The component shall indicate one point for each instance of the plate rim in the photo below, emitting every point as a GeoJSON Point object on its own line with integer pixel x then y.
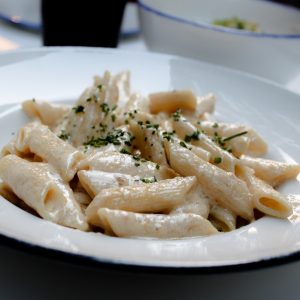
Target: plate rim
{"type": "Point", "coordinates": [96, 263]}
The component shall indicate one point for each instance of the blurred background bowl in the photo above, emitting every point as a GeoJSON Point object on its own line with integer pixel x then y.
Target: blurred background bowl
{"type": "Point", "coordinates": [172, 26]}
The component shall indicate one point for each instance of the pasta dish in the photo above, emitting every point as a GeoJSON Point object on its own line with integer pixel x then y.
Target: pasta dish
{"type": "Point", "coordinates": [126, 165]}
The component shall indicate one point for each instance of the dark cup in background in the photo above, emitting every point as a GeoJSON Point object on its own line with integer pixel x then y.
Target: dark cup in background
{"type": "Point", "coordinates": [94, 23]}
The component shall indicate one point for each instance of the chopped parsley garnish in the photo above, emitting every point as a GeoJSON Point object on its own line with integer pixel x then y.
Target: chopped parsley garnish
{"type": "Point", "coordinates": [131, 115]}
{"type": "Point", "coordinates": [105, 108]}
{"type": "Point", "coordinates": [167, 135]}
{"type": "Point", "coordinates": [124, 151]}
{"type": "Point", "coordinates": [183, 144]}
{"type": "Point", "coordinates": [88, 99]}
{"type": "Point", "coordinates": [222, 141]}
{"type": "Point", "coordinates": [103, 127]}
{"type": "Point", "coordinates": [234, 136]}
{"type": "Point", "coordinates": [193, 136]}
{"type": "Point", "coordinates": [137, 164]}
{"type": "Point", "coordinates": [149, 180]}
{"type": "Point", "coordinates": [176, 115]}
{"type": "Point", "coordinates": [113, 118]}
{"type": "Point", "coordinates": [157, 167]}
{"type": "Point", "coordinates": [64, 135]}
{"type": "Point", "coordinates": [217, 160]}
{"type": "Point", "coordinates": [218, 140]}
{"type": "Point", "coordinates": [78, 109]}
{"type": "Point", "coordinates": [100, 86]}
{"type": "Point", "coordinates": [155, 126]}
{"type": "Point", "coordinates": [115, 137]}
{"type": "Point", "coordinates": [216, 125]}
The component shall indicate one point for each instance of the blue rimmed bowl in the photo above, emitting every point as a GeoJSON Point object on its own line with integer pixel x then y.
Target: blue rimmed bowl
{"type": "Point", "coordinates": [186, 28]}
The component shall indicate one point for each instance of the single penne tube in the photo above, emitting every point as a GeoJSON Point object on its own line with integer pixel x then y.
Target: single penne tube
{"type": "Point", "coordinates": [129, 224]}
{"type": "Point", "coordinates": [273, 172]}
{"type": "Point", "coordinates": [222, 218]}
{"type": "Point", "coordinates": [171, 101]}
{"type": "Point", "coordinates": [41, 141]}
{"type": "Point", "coordinates": [95, 181]}
{"type": "Point", "coordinates": [251, 142]}
{"type": "Point", "coordinates": [41, 188]}
{"type": "Point", "coordinates": [263, 196]}
{"type": "Point", "coordinates": [189, 133]}
{"type": "Point", "coordinates": [49, 114]}
{"type": "Point", "coordinates": [196, 202]}
{"type": "Point", "coordinates": [160, 196]}
{"type": "Point", "coordinates": [115, 162]}
{"type": "Point", "coordinates": [148, 140]}
{"type": "Point", "coordinates": [223, 187]}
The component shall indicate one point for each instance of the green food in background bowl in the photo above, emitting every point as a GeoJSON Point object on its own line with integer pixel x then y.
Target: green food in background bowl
{"type": "Point", "coordinates": [237, 23]}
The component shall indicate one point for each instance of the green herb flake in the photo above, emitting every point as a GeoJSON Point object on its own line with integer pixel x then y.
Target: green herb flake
{"type": "Point", "coordinates": [193, 136]}
{"type": "Point", "coordinates": [105, 108]}
{"type": "Point", "coordinates": [176, 115]}
{"type": "Point", "coordinates": [167, 135]}
{"type": "Point", "coordinates": [216, 125]}
{"type": "Point", "coordinates": [78, 109]}
{"type": "Point", "coordinates": [124, 151]}
{"type": "Point", "coordinates": [137, 164]}
{"type": "Point", "coordinates": [183, 144]}
{"type": "Point", "coordinates": [157, 167]}
{"type": "Point", "coordinates": [234, 136]}
{"type": "Point", "coordinates": [217, 160]}
{"type": "Point", "coordinates": [64, 135]}
{"type": "Point", "coordinates": [113, 118]}
{"type": "Point", "coordinates": [149, 180]}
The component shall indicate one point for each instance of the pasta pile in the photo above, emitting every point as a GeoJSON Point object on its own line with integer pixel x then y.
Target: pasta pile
{"type": "Point", "coordinates": [132, 166]}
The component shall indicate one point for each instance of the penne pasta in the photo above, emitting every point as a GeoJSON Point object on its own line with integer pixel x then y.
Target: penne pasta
{"type": "Point", "coordinates": [133, 165]}
{"type": "Point", "coordinates": [272, 172]}
{"type": "Point", "coordinates": [41, 188]}
{"type": "Point", "coordinates": [49, 114]}
{"type": "Point", "coordinates": [264, 197]}
{"type": "Point", "coordinates": [129, 224]}
{"type": "Point", "coordinates": [221, 186]}
{"type": "Point", "coordinates": [95, 181]}
{"type": "Point", "coordinates": [160, 196]}
{"type": "Point", "coordinates": [41, 141]}
{"type": "Point", "coordinates": [115, 162]}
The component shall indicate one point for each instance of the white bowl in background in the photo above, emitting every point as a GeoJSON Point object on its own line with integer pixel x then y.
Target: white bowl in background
{"type": "Point", "coordinates": [185, 28]}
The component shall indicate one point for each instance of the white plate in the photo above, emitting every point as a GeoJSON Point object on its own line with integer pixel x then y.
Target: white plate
{"type": "Point", "coordinates": [60, 74]}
